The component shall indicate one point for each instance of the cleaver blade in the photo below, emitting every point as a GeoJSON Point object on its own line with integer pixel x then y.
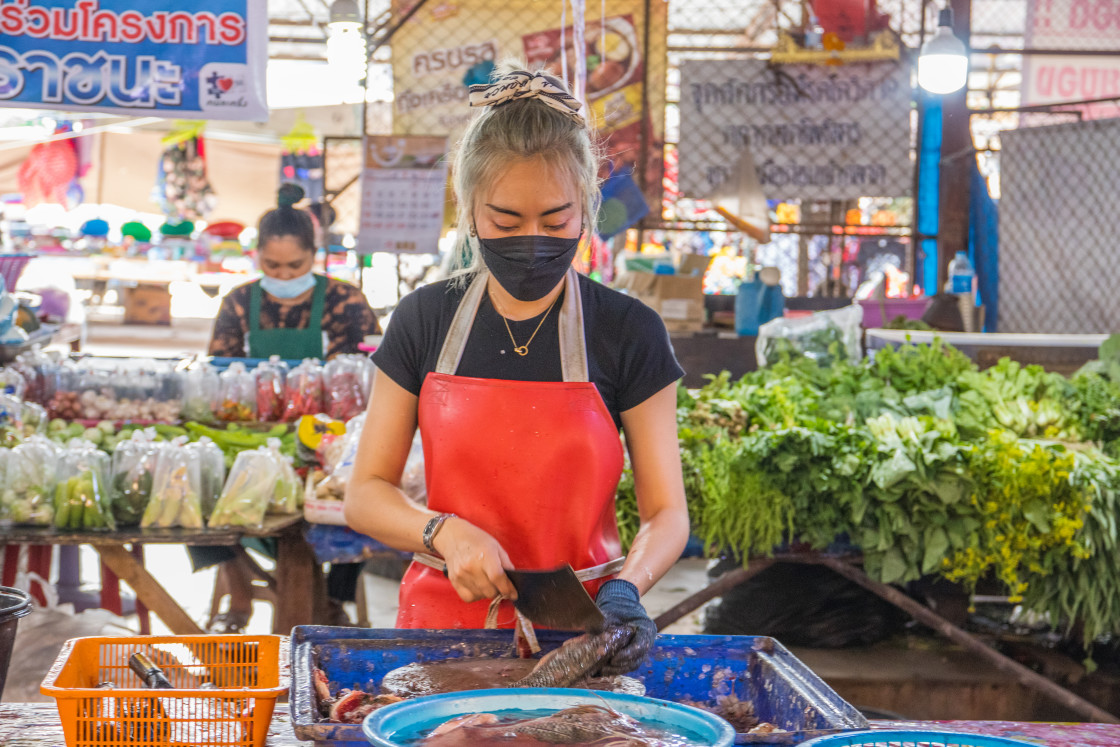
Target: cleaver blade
{"type": "Point", "coordinates": [555, 599]}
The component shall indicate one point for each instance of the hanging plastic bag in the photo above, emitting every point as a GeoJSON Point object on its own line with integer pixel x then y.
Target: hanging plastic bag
{"type": "Point", "coordinates": [176, 488]}
{"type": "Point", "coordinates": [238, 398]}
{"type": "Point", "coordinates": [81, 499]}
{"type": "Point", "coordinates": [344, 395]}
{"type": "Point", "coordinates": [303, 390]}
{"type": "Point", "coordinates": [248, 491]}
{"type": "Point", "coordinates": [824, 337]}
{"type": "Point", "coordinates": [134, 463]}
{"type": "Point", "coordinates": [270, 377]}
{"type": "Point", "coordinates": [28, 483]}
{"type": "Point", "coordinates": [200, 392]}
{"type": "Point", "coordinates": [212, 473]}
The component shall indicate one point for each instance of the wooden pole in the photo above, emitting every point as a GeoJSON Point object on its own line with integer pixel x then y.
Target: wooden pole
{"type": "Point", "coordinates": [717, 588]}
{"type": "Point", "coordinates": [148, 590]}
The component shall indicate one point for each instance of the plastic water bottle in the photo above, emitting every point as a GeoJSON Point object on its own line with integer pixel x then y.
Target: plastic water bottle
{"type": "Point", "coordinates": [814, 34]}
{"type": "Point", "coordinates": [961, 275]}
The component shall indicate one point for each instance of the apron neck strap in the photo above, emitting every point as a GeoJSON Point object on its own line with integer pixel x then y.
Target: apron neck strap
{"type": "Point", "coordinates": [255, 306]}
{"type": "Point", "coordinates": [318, 301]}
{"type": "Point", "coordinates": [573, 344]}
{"type": "Point", "coordinates": [573, 347]}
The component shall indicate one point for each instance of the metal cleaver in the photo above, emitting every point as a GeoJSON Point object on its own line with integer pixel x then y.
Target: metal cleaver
{"type": "Point", "coordinates": [555, 599]}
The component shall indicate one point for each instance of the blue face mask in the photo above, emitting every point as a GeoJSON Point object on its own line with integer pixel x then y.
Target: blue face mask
{"type": "Point", "coordinates": [288, 288]}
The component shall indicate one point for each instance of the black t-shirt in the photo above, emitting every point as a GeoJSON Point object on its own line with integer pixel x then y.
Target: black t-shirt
{"type": "Point", "coordinates": [629, 357]}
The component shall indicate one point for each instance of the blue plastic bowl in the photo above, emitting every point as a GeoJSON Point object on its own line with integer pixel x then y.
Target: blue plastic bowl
{"type": "Point", "coordinates": [394, 724]}
{"type": "Point", "coordinates": [907, 738]}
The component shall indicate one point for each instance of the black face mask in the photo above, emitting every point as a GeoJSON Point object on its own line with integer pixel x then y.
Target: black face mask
{"type": "Point", "coordinates": [528, 267]}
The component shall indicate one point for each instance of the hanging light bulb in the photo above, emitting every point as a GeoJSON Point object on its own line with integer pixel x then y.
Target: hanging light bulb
{"type": "Point", "coordinates": [943, 63]}
{"type": "Point", "coordinates": [346, 55]}
{"type": "Point", "coordinates": [345, 14]}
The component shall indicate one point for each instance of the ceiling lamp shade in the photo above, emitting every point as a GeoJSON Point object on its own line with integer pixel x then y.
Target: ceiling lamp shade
{"type": "Point", "coordinates": [345, 14]}
{"type": "Point", "coordinates": [943, 63]}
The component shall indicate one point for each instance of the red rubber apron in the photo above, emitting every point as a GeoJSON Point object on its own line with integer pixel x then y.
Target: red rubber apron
{"type": "Point", "coordinates": [535, 464]}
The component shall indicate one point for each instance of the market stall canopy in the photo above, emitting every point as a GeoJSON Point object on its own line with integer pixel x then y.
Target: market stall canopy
{"type": "Point", "coordinates": [244, 175]}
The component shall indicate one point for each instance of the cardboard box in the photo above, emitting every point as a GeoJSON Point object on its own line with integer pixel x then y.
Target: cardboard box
{"type": "Point", "coordinates": [147, 304]}
{"type": "Point", "coordinates": [679, 299]}
{"type": "Point", "coordinates": [693, 264]}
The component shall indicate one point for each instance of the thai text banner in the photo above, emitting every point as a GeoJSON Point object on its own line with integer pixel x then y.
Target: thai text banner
{"type": "Point", "coordinates": [816, 133]}
{"type": "Point", "coordinates": [200, 60]}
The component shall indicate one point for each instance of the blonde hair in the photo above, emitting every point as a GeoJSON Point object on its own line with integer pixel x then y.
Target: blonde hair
{"type": "Point", "coordinates": [516, 131]}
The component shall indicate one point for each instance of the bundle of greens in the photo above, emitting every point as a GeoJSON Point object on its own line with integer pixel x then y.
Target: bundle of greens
{"type": "Point", "coordinates": [925, 463]}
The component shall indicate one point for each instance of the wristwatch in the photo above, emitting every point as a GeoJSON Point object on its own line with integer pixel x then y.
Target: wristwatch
{"type": "Point", "coordinates": [431, 529]}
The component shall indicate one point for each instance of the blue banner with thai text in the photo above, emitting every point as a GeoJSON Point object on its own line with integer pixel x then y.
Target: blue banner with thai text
{"type": "Point", "coordinates": [203, 59]}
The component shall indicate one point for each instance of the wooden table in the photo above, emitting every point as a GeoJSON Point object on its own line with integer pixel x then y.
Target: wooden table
{"type": "Point", "coordinates": [299, 584]}
{"type": "Point", "coordinates": [37, 725]}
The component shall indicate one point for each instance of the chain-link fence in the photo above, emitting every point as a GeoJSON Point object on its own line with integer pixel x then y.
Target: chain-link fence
{"type": "Point", "coordinates": [681, 90]}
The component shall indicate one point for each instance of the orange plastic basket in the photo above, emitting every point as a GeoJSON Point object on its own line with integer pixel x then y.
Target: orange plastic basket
{"type": "Point", "coordinates": [225, 691]}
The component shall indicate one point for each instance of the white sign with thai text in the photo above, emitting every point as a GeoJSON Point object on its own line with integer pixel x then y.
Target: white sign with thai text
{"type": "Point", "coordinates": [817, 133]}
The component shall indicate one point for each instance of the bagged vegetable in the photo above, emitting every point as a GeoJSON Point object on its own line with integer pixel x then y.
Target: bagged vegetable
{"type": "Point", "coordinates": [212, 473]}
{"type": "Point", "coordinates": [12, 382]}
{"type": "Point", "coordinates": [40, 373]}
{"type": "Point", "coordinates": [28, 483]}
{"type": "Point", "coordinates": [344, 391]}
{"type": "Point", "coordinates": [303, 390]}
{"type": "Point", "coordinates": [34, 419]}
{"type": "Point", "coordinates": [134, 464]}
{"type": "Point", "coordinates": [825, 336]}
{"type": "Point", "coordinates": [287, 496]}
{"type": "Point", "coordinates": [81, 499]}
{"type": "Point", "coordinates": [176, 489]}
{"type": "Point", "coordinates": [248, 491]}
{"type": "Point", "coordinates": [201, 389]}
{"type": "Point", "coordinates": [238, 397]}
{"type": "Point", "coordinates": [270, 377]}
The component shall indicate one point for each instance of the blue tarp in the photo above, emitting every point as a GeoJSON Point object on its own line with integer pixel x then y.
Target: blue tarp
{"type": "Point", "coordinates": [983, 247]}
{"type": "Point", "coordinates": [983, 224]}
{"type": "Point", "coordinates": [929, 180]}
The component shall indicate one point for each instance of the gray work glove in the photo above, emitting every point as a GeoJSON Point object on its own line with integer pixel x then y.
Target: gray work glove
{"type": "Point", "coordinates": [618, 601]}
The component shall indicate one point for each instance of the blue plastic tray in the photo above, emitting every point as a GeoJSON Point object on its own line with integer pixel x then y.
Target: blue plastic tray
{"type": "Point", "coordinates": [406, 721]}
{"type": "Point", "coordinates": [914, 739]}
{"type": "Point", "coordinates": [694, 669]}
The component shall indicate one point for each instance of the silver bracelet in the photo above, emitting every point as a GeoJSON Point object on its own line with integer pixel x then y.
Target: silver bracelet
{"type": "Point", "coordinates": [431, 529]}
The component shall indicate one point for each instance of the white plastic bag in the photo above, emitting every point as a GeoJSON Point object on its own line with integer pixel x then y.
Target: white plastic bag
{"type": "Point", "coordinates": [824, 337]}
{"type": "Point", "coordinates": [176, 488]}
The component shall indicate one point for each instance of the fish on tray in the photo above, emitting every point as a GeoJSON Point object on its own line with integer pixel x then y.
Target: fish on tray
{"type": "Point", "coordinates": [581, 725]}
{"type": "Point", "coordinates": [577, 658]}
{"type": "Point", "coordinates": [573, 663]}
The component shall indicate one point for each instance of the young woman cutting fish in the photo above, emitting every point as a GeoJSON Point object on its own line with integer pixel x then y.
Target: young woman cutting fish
{"type": "Point", "coordinates": [520, 373]}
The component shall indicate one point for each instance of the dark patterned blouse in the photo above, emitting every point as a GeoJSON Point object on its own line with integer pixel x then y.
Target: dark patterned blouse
{"type": "Point", "coordinates": [347, 319]}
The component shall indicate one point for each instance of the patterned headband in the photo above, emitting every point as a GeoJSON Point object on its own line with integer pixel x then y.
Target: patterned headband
{"type": "Point", "coordinates": [523, 85]}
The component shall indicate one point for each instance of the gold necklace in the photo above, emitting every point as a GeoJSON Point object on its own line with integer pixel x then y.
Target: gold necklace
{"type": "Point", "coordinates": [523, 350]}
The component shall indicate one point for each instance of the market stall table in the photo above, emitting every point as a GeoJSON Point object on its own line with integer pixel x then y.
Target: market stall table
{"type": "Point", "coordinates": [37, 725]}
{"type": "Point", "coordinates": [300, 587]}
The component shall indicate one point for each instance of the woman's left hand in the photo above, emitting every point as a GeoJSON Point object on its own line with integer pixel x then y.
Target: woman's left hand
{"type": "Point", "coordinates": [476, 562]}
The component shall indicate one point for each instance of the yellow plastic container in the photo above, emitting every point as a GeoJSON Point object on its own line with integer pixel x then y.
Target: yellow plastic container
{"type": "Point", "coordinates": [241, 675]}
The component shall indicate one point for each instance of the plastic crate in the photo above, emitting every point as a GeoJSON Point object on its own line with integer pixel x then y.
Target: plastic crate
{"type": "Point", "coordinates": [242, 673]}
{"type": "Point", "coordinates": [689, 669]}
{"type": "Point", "coordinates": [914, 739]}
{"type": "Point", "coordinates": [11, 267]}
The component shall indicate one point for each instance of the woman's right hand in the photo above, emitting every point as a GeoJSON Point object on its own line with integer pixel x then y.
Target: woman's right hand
{"type": "Point", "coordinates": [476, 562]}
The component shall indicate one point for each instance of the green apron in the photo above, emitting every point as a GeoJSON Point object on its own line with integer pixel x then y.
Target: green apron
{"type": "Point", "coordinates": [290, 344]}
